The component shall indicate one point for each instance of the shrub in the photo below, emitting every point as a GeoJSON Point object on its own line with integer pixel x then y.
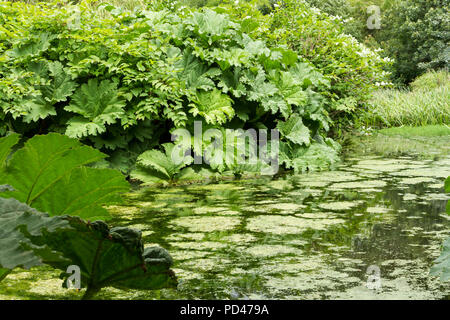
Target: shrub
{"type": "Point", "coordinates": [122, 81]}
{"type": "Point", "coordinates": [353, 70]}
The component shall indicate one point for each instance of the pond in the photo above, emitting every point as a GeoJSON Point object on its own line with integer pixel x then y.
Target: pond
{"type": "Point", "coordinates": [311, 236]}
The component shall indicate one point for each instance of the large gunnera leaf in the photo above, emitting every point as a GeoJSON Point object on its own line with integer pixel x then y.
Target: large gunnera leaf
{"type": "Point", "coordinates": [213, 106]}
{"type": "Point", "coordinates": [294, 130]}
{"type": "Point", "coordinates": [154, 166]}
{"type": "Point", "coordinates": [111, 257]}
{"type": "Point", "coordinates": [96, 103]}
{"type": "Point", "coordinates": [4, 273]}
{"type": "Point", "coordinates": [48, 174]}
{"type": "Point", "coordinates": [6, 144]}
{"type": "Point", "coordinates": [58, 87]}
{"type": "Point", "coordinates": [21, 236]}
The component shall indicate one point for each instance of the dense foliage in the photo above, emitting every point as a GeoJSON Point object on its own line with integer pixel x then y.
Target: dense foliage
{"type": "Point", "coordinates": [352, 69]}
{"type": "Point", "coordinates": [415, 33]}
{"type": "Point", "coordinates": [123, 80]}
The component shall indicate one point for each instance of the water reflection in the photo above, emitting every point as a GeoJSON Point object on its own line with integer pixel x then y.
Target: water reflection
{"type": "Point", "coordinates": [309, 236]}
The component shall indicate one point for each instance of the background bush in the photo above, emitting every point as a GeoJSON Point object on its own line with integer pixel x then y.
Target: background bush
{"type": "Point", "coordinates": [353, 69]}
{"type": "Point", "coordinates": [415, 33]}
{"type": "Point", "coordinates": [122, 80]}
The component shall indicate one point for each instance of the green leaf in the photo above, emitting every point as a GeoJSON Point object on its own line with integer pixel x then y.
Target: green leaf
{"type": "Point", "coordinates": [42, 162]}
{"type": "Point", "coordinates": [36, 109]}
{"type": "Point", "coordinates": [213, 106]}
{"type": "Point", "coordinates": [195, 73]}
{"type": "Point", "coordinates": [210, 25]}
{"type": "Point", "coordinates": [6, 144]}
{"type": "Point", "coordinates": [111, 257]}
{"type": "Point", "coordinates": [260, 86]}
{"type": "Point", "coordinates": [294, 130]}
{"type": "Point", "coordinates": [154, 165]}
{"type": "Point", "coordinates": [34, 46]}
{"type": "Point", "coordinates": [48, 174]}
{"type": "Point", "coordinates": [107, 257]}
{"type": "Point", "coordinates": [148, 176]}
{"type": "Point", "coordinates": [4, 273]}
{"type": "Point", "coordinates": [83, 192]}
{"type": "Point", "coordinates": [98, 104]}
{"type": "Point", "coordinates": [61, 85]}
{"type": "Point", "coordinates": [441, 265]}
{"type": "Point", "coordinates": [316, 157]}
{"type": "Point", "coordinates": [58, 87]}
{"type": "Point", "coordinates": [289, 88]}
{"type": "Point", "coordinates": [22, 228]}
{"type": "Point", "coordinates": [305, 74]}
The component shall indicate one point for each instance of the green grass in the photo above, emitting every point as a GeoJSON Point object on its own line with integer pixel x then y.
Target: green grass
{"type": "Point", "coordinates": [431, 80]}
{"type": "Point", "coordinates": [423, 131]}
{"type": "Point", "coordinates": [427, 104]}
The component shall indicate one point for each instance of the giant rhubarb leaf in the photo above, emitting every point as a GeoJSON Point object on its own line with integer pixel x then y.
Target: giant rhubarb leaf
{"type": "Point", "coordinates": [97, 103]}
{"type": "Point", "coordinates": [214, 106]}
{"type": "Point", "coordinates": [6, 144]}
{"type": "Point", "coordinates": [4, 273]}
{"type": "Point", "coordinates": [294, 130]}
{"type": "Point", "coordinates": [111, 257]}
{"type": "Point", "coordinates": [48, 174]}
{"type": "Point", "coordinates": [19, 224]}
{"type": "Point", "coordinates": [155, 166]}
{"type": "Point", "coordinates": [59, 87]}
{"type": "Point", "coordinates": [106, 257]}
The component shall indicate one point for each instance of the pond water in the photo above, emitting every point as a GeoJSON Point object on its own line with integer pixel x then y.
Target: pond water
{"type": "Point", "coordinates": [310, 236]}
